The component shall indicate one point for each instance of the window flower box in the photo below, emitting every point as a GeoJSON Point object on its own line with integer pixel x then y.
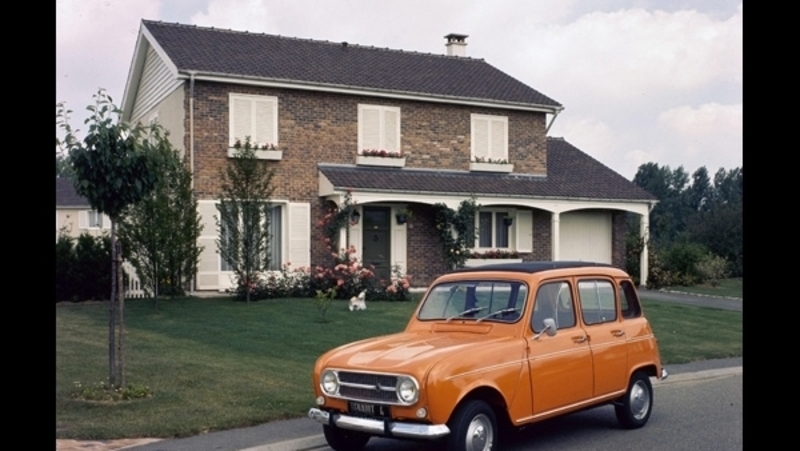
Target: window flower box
{"type": "Point", "coordinates": [490, 167]}
{"type": "Point", "coordinates": [475, 262]}
{"type": "Point", "coordinates": [387, 162]}
{"type": "Point", "coordinates": [260, 154]}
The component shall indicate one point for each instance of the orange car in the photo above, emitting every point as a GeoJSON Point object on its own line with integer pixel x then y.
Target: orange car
{"type": "Point", "coordinates": [510, 343]}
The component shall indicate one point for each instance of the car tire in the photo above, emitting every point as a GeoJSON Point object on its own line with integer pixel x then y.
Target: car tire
{"type": "Point", "coordinates": [473, 427]}
{"type": "Point", "coordinates": [345, 440]}
{"type": "Point", "coordinates": [633, 410]}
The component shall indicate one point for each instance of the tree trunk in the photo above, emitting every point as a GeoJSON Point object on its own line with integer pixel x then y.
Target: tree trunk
{"type": "Point", "coordinates": [112, 314]}
{"type": "Point", "coordinates": [121, 297]}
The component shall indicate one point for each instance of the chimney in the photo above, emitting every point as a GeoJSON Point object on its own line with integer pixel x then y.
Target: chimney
{"type": "Point", "coordinates": [456, 44]}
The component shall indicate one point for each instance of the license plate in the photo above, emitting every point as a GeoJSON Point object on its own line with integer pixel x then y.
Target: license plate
{"type": "Point", "coordinates": [370, 410]}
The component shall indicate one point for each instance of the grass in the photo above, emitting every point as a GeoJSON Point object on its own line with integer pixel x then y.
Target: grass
{"type": "Point", "coordinates": [214, 364]}
{"type": "Point", "coordinates": [726, 287]}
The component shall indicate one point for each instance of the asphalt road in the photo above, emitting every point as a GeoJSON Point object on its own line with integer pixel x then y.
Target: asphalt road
{"type": "Point", "coordinates": [687, 415]}
{"type": "Point", "coordinates": [699, 301]}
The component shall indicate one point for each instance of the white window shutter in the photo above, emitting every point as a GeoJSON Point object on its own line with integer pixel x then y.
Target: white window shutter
{"type": "Point", "coordinates": [241, 119]}
{"type": "Point", "coordinates": [106, 222]}
{"type": "Point", "coordinates": [370, 124]}
{"type": "Point", "coordinates": [208, 266]}
{"type": "Point", "coordinates": [499, 145]}
{"type": "Point", "coordinates": [299, 234]}
{"type": "Point", "coordinates": [480, 138]}
{"type": "Point", "coordinates": [265, 122]}
{"type": "Point", "coordinates": [83, 219]}
{"type": "Point", "coordinates": [524, 226]}
{"type": "Point", "coordinates": [391, 130]}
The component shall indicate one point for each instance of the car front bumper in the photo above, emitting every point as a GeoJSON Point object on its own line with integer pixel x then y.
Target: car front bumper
{"type": "Point", "coordinates": [385, 428]}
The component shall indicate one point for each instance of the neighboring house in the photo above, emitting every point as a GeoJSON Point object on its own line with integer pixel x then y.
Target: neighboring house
{"type": "Point", "coordinates": [463, 127]}
{"type": "Point", "coordinates": [74, 215]}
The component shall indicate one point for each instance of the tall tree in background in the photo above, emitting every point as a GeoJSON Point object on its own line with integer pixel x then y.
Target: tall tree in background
{"type": "Point", "coordinates": [160, 232]}
{"type": "Point", "coordinates": [243, 221]}
{"type": "Point", "coordinates": [115, 166]}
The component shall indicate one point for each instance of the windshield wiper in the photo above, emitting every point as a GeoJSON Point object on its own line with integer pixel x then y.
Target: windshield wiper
{"type": "Point", "coordinates": [466, 312]}
{"type": "Point", "coordinates": [499, 312]}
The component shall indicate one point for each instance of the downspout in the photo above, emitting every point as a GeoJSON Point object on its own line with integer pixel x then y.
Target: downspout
{"type": "Point", "coordinates": [191, 150]}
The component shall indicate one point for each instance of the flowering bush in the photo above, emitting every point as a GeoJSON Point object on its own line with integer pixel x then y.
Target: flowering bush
{"type": "Point", "coordinates": [286, 283]}
{"type": "Point", "coordinates": [382, 153]}
{"type": "Point", "coordinates": [348, 275]}
{"type": "Point", "coordinates": [456, 231]}
{"type": "Point", "coordinates": [495, 253]}
{"type": "Point", "coordinates": [395, 289]}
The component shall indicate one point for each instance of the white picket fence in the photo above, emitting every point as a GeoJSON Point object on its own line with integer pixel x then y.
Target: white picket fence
{"type": "Point", "coordinates": [133, 289]}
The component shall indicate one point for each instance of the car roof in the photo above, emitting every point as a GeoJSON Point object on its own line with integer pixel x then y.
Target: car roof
{"type": "Point", "coordinates": [532, 267]}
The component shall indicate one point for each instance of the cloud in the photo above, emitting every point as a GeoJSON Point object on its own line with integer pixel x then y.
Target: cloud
{"type": "Point", "coordinates": [711, 132]}
{"type": "Point", "coordinates": [94, 39]}
{"type": "Point", "coordinates": [634, 55]}
{"type": "Point", "coordinates": [248, 15]}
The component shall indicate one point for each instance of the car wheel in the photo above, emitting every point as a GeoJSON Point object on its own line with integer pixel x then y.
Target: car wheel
{"type": "Point", "coordinates": [345, 440]}
{"type": "Point", "coordinates": [472, 428]}
{"type": "Point", "coordinates": [633, 410]}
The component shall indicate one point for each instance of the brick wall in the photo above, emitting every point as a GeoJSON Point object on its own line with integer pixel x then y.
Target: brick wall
{"type": "Point", "coordinates": [323, 127]}
{"type": "Point", "coordinates": [619, 229]}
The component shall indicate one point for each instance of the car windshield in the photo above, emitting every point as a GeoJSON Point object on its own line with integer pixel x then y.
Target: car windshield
{"type": "Point", "coordinates": [480, 300]}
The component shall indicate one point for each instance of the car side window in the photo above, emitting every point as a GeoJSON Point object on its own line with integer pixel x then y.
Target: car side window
{"type": "Point", "coordinates": [553, 300]}
{"type": "Point", "coordinates": [629, 300]}
{"type": "Point", "coordinates": [597, 301]}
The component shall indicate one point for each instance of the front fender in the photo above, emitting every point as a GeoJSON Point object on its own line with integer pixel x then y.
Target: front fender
{"type": "Point", "coordinates": [454, 378]}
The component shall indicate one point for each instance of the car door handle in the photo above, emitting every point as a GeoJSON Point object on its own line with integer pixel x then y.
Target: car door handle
{"type": "Point", "coordinates": [617, 333]}
{"type": "Point", "coordinates": [582, 339]}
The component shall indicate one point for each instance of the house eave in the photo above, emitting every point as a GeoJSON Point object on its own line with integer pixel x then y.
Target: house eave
{"type": "Point", "coordinates": [373, 92]}
{"type": "Point", "coordinates": [144, 40]}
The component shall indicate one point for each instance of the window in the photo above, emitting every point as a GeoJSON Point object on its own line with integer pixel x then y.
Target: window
{"type": "Point", "coordinates": [502, 301]}
{"type": "Point", "coordinates": [493, 227]}
{"type": "Point", "coordinates": [253, 116]}
{"type": "Point", "coordinates": [378, 128]}
{"type": "Point", "coordinates": [274, 241]}
{"type": "Point", "coordinates": [489, 137]}
{"type": "Point", "coordinates": [597, 301]}
{"type": "Point", "coordinates": [629, 301]}
{"type": "Point", "coordinates": [92, 219]}
{"type": "Point", "coordinates": [553, 300]}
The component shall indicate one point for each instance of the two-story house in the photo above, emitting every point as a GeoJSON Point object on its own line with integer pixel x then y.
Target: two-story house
{"type": "Point", "coordinates": [459, 128]}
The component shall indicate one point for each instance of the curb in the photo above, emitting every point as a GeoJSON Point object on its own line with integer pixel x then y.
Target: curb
{"type": "Point", "coordinates": [699, 375]}
{"type": "Point", "coordinates": [300, 444]}
{"type": "Point", "coordinates": [700, 295]}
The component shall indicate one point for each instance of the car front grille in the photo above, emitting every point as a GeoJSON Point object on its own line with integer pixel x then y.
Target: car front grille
{"type": "Point", "coordinates": [372, 387]}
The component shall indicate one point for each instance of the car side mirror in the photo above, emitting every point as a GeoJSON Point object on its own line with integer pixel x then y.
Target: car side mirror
{"type": "Point", "coordinates": [549, 328]}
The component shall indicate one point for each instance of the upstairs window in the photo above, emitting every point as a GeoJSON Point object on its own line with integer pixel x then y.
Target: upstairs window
{"type": "Point", "coordinates": [378, 128]}
{"type": "Point", "coordinates": [253, 116]}
{"type": "Point", "coordinates": [489, 138]}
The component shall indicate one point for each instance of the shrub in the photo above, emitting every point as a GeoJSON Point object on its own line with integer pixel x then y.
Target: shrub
{"type": "Point", "coordinates": [65, 266]}
{"type": "Point", "coordinates": [681, 260]}
{"type": "Point", "coordinates": [712, 268]}
{"type": "Point", "coordinates": [395, 289]}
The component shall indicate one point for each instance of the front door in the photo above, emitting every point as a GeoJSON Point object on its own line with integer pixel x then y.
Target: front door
{"type": "Point", "coordinates": [377, 235]}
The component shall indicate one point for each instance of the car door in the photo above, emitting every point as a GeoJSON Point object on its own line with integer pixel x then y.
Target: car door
{"type": "Point", "coordinates": [560, 365]}
{"type": "Point", "coordinates": [609, 348]}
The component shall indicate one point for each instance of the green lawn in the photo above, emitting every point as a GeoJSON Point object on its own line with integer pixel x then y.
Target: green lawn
{"type": "Point", "coordinates": [726, 287]}
{"type": "Point", "coordinates": [216, 364]}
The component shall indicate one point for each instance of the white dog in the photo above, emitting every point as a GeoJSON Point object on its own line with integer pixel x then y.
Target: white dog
{"type": "Point", "coordinates": [359, 302]}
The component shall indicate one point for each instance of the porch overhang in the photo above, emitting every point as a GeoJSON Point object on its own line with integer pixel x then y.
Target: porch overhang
{"type": "Point", "coordinates": [451, 187]}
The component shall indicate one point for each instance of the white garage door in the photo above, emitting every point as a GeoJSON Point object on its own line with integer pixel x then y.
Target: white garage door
{"type": "Point", "coordinates": [586, 236]}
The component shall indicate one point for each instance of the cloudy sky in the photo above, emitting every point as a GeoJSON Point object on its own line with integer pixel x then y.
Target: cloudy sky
{"type": "Point", "coordinates": [641, 80]}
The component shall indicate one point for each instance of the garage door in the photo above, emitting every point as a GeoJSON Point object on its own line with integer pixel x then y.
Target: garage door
{"type": "Point", "coordinates": [586, 236]}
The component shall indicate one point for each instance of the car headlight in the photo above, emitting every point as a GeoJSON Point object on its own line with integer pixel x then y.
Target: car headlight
{"type": "Point", "coordinates": [329, 382]}
{"type": "Point", "coordinates": [407, 390]}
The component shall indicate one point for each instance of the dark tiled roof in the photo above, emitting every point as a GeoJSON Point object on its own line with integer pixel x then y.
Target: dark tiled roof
{"type": "Point", "coordinates": [234, 53]}
{"type": "Point", "coordinates": [571, 173]}
{"type": "Point", "coordinates": [66, 195]}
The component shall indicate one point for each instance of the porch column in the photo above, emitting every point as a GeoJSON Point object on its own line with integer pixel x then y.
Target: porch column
{"type": "Point", "coordinates": [555, 232]}
{"type": "Point", "coordinates": [644, 232]}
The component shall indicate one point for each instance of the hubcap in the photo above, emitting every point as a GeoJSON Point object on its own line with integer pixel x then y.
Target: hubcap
{"type": "Point", "coordinates": [479, 434]}
{"type": "Point", "coordinates": [640, 400]}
